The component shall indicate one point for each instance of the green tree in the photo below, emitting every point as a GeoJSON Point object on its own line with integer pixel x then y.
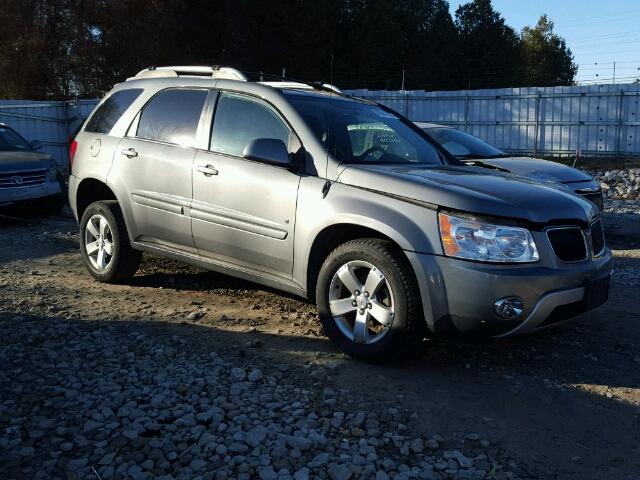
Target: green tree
{"type": "Point", "coordinates": [491, 48]}
{"type": "Point", "coordinates": [546, 58]}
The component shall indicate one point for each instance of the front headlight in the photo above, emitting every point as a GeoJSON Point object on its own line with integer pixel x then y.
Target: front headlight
{"type": "Point", "coordinates": [485, 242]}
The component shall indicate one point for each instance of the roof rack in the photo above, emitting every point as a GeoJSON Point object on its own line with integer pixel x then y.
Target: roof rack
{"type": "Point", "coordinates": [215, 72]}
{"type": "Point", "coordinates": [304, 86]}
{"type": "Point", "coordinates": [229, 73]}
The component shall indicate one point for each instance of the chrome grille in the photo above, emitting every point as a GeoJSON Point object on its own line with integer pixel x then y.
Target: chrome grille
{"type": "Point", "coordinates": [28, 178]}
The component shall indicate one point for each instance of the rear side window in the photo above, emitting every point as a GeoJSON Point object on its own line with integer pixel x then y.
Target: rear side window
{"type": "Point", "coordinates": [107, 114]}
{"type": "Point", "coordinates": [172, 116]}
{"type": "Point", "coordinates": [240, 119]}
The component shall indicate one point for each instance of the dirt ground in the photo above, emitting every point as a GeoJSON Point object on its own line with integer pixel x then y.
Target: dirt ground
{"type": "Point", "coordinates": [562, 404]}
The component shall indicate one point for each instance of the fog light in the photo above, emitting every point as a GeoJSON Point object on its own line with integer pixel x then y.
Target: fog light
{"type": "Point", "coordinates": [508, 307]}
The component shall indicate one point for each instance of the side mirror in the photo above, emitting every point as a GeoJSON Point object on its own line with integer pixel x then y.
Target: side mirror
{"type": "Point", "coordinates": [36, 144]}
{"type": "Point", "coordinates": [268, 150]}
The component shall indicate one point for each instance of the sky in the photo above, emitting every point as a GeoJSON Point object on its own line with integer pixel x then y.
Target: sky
{"type": "Point", "coordinates": [598, 32]}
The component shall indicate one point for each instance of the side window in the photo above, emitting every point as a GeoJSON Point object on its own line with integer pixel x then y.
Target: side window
{"type": "Point", "coordinates": [240, 119]}
{"type": "Point", "coordinates": [107, 114]}
{"type": "Point", "coordinates": [172, 116]}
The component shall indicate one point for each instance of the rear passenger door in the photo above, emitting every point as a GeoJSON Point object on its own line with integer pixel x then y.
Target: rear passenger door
{"type": "Point", "coordinates": [243, 211]}
{"type": "Point", "coordinates": [155, 161]}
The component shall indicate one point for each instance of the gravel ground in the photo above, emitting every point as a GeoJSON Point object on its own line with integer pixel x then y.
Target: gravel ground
{"type": "Point", "coordinates": [184, 373]}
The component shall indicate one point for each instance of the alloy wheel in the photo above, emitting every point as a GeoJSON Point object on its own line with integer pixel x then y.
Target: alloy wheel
{"type": "Point", "coordinates": [98, 242]}
{"type": "Point", "coordinates": [361, 302]}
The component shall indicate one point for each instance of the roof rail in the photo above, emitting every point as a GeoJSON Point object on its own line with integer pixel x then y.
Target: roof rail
{"type": "Point", "coordinates": [215, 72]}
{"type": "Point", "coordinates": [303, 86]}
{"type": "Point", "coordinates": [229, 73]}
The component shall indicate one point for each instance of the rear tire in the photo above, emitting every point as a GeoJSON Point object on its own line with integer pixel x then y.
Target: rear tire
{"type": "Point", "coordinates": [369, 302]}
{"type": "Point", "coordinates": [104, 243]}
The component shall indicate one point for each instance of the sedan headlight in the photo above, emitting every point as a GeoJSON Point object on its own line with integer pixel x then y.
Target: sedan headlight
{"type": "Point", "coordinates": [486, 242]}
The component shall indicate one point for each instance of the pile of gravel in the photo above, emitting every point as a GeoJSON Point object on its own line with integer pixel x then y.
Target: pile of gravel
{"type": "Point", "coordinates": [123, 400]}
{"type": "Point", "coordinates": [622, 184]}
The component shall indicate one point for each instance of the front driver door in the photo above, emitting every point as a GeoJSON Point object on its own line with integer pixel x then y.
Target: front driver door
{"type": "Point", "coordinates": [243, 212]}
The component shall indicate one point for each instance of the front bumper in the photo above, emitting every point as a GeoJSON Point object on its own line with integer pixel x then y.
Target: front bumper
{"type": "Point", "coordinates": [458, 295]}
{"type": "Point", "coordinates": [10, 196]}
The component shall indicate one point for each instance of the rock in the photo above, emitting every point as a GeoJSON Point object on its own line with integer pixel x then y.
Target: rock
{"type": "Point", "coordinates": [197, 464]}
{"type": "Point", "coordinates": [303, 443]}
{"type": "Point", "coordinates": [66, 446]}
{"type": "Point", "coordinates": [195, 316]}
{"type": "Point", "coordinates": [255, 375]}
{"type": "Point", "coordinates": [432, 444]}
{"type": "Point", "coordinates": [267, 474]}
{"type": "Point", "coordinates": [302, 474]}
{"type": "Point", "coordinates": [77, 464]}
{"type": "Point", "coordinates": [107, 459]}
{"type": "Point", "coordinates": [417, 445]}
{"type": "Point", "coordinates": [339, 472]}
{"type": "Point", "coordinates": [256, 436]}
{"type": "Point", "coordinates": [237, 374]}
{"type": "Point", "coordinates": [130, 434]}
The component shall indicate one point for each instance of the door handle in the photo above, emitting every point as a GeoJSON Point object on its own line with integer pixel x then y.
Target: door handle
{"type": "Point", "coordinates": [207, 170]}
{"type": "Point", "coordinates": [129, 152]}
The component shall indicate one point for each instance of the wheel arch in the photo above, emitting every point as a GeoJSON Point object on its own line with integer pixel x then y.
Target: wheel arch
{"type": "Point", "coordinates": [329, 238]}
{"type": "Point", "coordinates": [91, 190]}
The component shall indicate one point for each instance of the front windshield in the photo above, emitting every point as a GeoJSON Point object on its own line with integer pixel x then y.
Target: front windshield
{"type": "Point", "coordinates": [11, 141]}
{"type": "Point", "coordinates": [358, 132]}
{"type": "Point", "coordinates": [462, 145]}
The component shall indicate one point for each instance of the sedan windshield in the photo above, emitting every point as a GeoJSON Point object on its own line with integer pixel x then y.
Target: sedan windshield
{"type": "Point", "coordinates": [359, 132]}
{"type": "Point", "coordinates": [11, 141]}
{"type": "Point", "coordinates": [462, 145]}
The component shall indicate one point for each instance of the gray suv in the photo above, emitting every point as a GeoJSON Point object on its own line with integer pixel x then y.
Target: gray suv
{"type": "Point", "coordinates": [332, 198]}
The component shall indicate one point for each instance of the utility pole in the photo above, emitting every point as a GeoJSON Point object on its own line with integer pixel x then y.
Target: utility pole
{"type": "Point", "coordinates": [614, 72]}
{"type": "Point", "coordinates": [402, 87]}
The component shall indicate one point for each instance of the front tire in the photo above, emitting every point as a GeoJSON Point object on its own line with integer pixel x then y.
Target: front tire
{"type": "Point", "coordinates": [368, 300]}
{"type": "Point", "coordinates": [104, 243]}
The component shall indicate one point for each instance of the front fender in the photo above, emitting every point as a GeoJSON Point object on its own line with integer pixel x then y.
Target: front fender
{"type": "Point", "coordinates": [414, 228]}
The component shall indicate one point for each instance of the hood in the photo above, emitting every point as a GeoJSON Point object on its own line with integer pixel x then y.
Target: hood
{"type": "Point", "coordinates": [474, 190]}
{"type": "Point", "coordinates": [20, 160]}
{"type": "Point", "coordinates": [538, 169]}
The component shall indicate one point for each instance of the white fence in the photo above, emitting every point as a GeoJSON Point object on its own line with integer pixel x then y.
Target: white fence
{"type": "Point", "coordinates": [595, 119]}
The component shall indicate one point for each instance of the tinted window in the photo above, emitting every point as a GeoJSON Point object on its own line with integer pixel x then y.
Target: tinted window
{"type": "Point", "coordinates": [461, 144]}
{"type": "Point", "coordinates": [358, 132]}
{"type": "Point", "coordinates": [11, 141]}
{"type": "Point", "coordinates": [172, 116]}
{"type": "Point", "coordinates": [240, 119]}
{"type": "Point", "coordinates": [107, 114]}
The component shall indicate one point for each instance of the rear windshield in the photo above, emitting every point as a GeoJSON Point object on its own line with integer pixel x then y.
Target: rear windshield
{"type": "Point", "coordinates": [107, 114]}
{"type": "Point", "coordinates": [358, 132]}
{"type": "Point", "coordinates": [11, 141]}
